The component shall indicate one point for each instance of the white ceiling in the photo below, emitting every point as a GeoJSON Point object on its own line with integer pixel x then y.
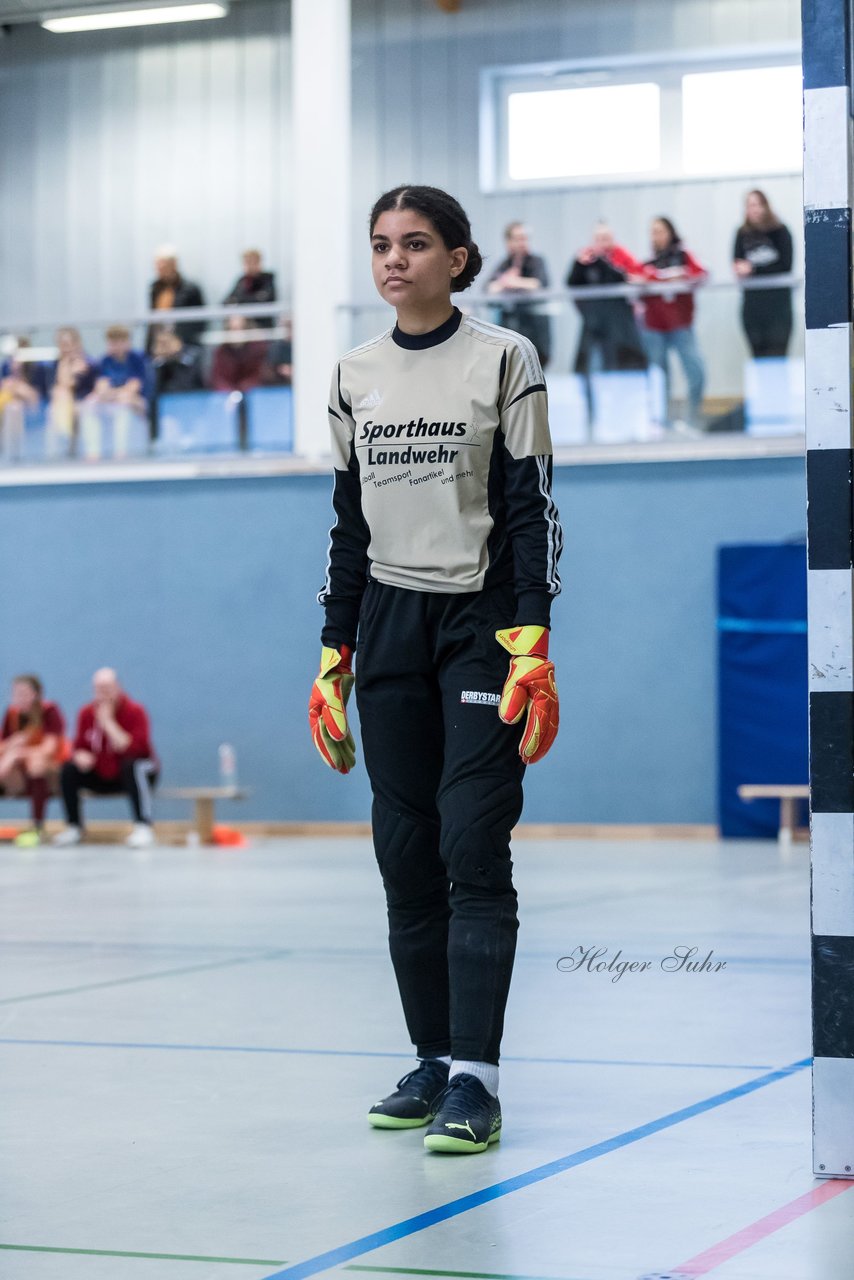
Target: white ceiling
{"type": "Point", "coordinates": [18, 11]}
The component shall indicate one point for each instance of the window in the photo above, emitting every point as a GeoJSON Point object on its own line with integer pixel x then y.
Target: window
{"type": "Point", "coordinates": [549, 134]}
{"type": "Point", "coordinates": [627, 120]}
{"type": "Point", "coordinates": [742, 121]}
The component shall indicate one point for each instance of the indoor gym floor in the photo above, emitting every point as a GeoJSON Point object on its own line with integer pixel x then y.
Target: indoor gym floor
{"type": "Point", "coordinates": [190, 1040]}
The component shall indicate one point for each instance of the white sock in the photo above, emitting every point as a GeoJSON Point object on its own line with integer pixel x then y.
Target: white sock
{"type": "Point", "coordinates": [437, 1058]}
{"type": "Point", "coordinates": [485, 1072]}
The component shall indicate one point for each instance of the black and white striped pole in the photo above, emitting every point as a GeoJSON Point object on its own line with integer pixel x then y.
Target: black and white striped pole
{"type": "Point", "coordinates": [828, 188]}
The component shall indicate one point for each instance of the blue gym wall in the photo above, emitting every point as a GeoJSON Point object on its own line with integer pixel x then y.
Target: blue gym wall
{"type": "Point", "coordinates": [202, 594]}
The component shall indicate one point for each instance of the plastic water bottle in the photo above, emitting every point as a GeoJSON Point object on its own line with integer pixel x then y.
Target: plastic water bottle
{"type": "Point", "coordinates": [227, 766]}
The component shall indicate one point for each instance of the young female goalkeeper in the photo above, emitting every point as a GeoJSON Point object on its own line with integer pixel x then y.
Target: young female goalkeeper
{"type": "Point", "coordinates": [443, 560]}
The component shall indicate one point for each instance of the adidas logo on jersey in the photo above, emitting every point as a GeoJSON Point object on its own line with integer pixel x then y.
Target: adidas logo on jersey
{"type": "Point", "coordinates": [371, 401]}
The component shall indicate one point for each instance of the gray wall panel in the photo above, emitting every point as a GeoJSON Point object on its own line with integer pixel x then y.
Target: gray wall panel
{"type": "Point", "coordinates": [121, 141]}
{"type": "Point", "coordinates": [113, 143]}
{"type": "Point", "coordinates": [433, 99]}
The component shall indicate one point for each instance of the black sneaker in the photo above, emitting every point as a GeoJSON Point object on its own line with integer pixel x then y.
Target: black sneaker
{"type": "Point", "coordinates": [468, 1118]}
{"type": "Point", "coordinates": [414, 1101]}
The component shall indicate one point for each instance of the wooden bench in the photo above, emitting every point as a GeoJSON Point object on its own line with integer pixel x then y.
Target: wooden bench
{"type": "Point", "coordinates": [788, 794]}
{"type": "Point", "coordinates": [204, 799]}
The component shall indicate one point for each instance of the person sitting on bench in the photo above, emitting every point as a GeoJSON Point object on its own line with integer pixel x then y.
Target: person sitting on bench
{"type": "Point", "coordinates": [32, 748]}
{"type": "Point", "coordinates": [113, 755]}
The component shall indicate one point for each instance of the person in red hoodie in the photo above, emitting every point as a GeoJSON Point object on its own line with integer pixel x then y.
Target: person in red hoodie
{"type": "Point", "coordinates": [113, 755]}
{"type": "Point", "coordinates": [669, 317]}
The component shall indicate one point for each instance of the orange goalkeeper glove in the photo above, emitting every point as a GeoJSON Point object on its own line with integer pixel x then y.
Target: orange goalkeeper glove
{"type": "Point", "coordinates": [530, 687]}
{"type": "Point", "coordinates": [327, 709]}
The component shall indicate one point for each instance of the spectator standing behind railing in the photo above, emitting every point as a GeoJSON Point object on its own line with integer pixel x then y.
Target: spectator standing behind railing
{"type": "Point", "coordinates": [669, 318]}
{"type": "Point", "coordinates": [18, 393]}
{"type": "Point", "coordinates": [238, 366]}
{"type": "Point", "coordinates": [610, 340]}
{"type": "Point", "coordinates": [763, 247]}
{"type": "Point", "coordinates": [32, 749]}
{"type": "Point", "coordinates": [65, 382]}
{"type": "Point", "coordinates": [254, 285]}
{"type": "Point", "coordinates": [523, 273]}
{"type": "Point", "coordinates": [170, 290]}
{"type": "Point", "coordinates": [120, 394]}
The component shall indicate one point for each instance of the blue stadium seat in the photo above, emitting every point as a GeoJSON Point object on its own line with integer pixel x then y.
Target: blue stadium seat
{"type": "Point", "coordinates": [775, 396]}
{"type": "Point", "coordinates": [269, 419]}
{"type": "Point", "coordinates": [198, 422]}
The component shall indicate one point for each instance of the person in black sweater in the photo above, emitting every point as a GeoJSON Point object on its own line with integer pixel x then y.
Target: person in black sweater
{"type": "Point", "coordinates": [763, 247]}
{"type": "Point", "coordinates": [522, 274]}
{"type": "Point", "coordinates": [170, 289]}
{"type": "Point", "coordinates": [254, 285]}
{"type": "Point", "coordinates": [610, 339]}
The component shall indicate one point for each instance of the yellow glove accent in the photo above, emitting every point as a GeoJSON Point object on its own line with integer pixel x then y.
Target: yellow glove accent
{"type": "Point", "coordinates": [530, 686]}
{"type": "Point", "coordinates": [327, 709]}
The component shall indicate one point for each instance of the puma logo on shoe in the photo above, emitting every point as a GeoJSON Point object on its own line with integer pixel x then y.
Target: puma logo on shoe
{"type": "Point", "coordinates": [450, 1125]}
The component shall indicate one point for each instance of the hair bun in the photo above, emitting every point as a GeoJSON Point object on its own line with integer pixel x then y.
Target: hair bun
{"type": "Point", "coordinates": [470, 271]}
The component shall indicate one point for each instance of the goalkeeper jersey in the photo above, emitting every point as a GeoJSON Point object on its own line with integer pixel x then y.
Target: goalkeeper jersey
{"type": "Point", "coordinates": [443, 467]}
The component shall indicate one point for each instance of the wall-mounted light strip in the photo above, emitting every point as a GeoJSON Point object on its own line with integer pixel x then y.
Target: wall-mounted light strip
{"type": "Point", "coordinates": [138, 17]}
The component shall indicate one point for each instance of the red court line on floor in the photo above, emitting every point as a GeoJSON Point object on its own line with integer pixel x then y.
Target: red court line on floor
{"type": "Point", "coordinates": [721, 1252]}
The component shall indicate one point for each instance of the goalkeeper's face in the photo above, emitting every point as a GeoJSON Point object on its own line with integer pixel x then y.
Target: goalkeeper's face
{"type": "Point", "coordinates": [412, 267]}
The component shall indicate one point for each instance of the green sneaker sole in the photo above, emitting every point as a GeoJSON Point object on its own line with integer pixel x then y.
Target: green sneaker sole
{"type": "Point", "coordinates": [458, 1146]}
{"type": "Point", "coordinates": [28, 840]}
{"type": "Point", "coordinates": [380, 1121]}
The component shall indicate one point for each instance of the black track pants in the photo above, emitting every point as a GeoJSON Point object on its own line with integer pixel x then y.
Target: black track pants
{"type": "Point", "coordinates": [136, 781]}
{"type": "Point", "coordinates": [447, 785]}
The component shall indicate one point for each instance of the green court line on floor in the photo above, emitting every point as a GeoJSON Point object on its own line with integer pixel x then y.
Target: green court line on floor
{"type": "Point", "coordinates": [145, 977]}
{"type": "Point", "coordinates": [129, 1253]}
{"type": "Point", "coordinates": [266, 1262]}
{"type": "Point", "coordinates": [450, 1275]}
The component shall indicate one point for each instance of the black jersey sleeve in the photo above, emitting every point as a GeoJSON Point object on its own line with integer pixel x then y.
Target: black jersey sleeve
{"type": "Point", "coordinates": [349, 537]}
{"type": "Point", "coordinates": [532, 518]}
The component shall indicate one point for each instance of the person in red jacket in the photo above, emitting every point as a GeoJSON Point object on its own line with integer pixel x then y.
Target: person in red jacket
{"type": "Point", "coordinates": [238, 365]}
{"type": "Point", "coordinates": [32, 748]}
{"type": "Point", "coordinates": [113, 755]}
{"type": "Point", "coordinates": [669, 317]}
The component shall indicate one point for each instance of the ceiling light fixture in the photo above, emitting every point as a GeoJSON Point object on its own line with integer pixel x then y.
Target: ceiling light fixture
{"type": "Point", "coordinates": [140, 16]}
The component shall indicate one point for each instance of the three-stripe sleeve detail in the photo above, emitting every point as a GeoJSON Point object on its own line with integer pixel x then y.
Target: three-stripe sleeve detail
{"type": "Point", "coordinates": [555, 533]}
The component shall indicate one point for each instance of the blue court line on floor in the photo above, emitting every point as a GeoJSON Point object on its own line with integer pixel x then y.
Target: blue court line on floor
{"type": "Point", "coordinates": [410, 1226]}
{"type": "Point", "coordinates": [144, 977]}
{"type": "Point", "coordinates": [363, 1053]}
{"type": "Point", "coordinates": [93, 944]}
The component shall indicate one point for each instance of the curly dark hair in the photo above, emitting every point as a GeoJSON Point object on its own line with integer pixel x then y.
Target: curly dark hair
{"type": "Point", "coordinates": [448, 217]}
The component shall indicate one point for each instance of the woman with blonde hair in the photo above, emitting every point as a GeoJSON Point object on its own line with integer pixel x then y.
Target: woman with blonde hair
{"type": "Point", "coordinates": [763, 247]}
{"type": "Point", "coordinates": [70, 379]}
